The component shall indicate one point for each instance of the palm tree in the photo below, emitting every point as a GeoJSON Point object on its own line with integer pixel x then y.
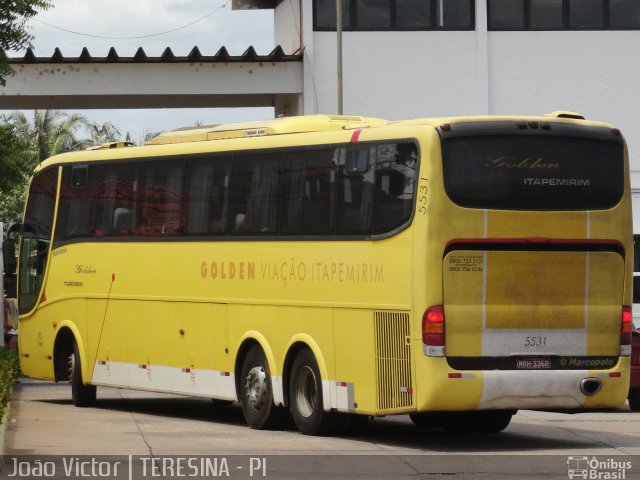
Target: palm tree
{"type": "Point", "coordinates": [50, 133]}
{"type": "Point", "coordinates": [105, 133]}
{"type": "Point", "coordinates": [147, 135]}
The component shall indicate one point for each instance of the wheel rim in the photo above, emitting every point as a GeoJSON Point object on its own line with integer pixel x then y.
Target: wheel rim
{"type": "Point", "coordinates": [306, 392]}
{"type": "Point", "coordinates": [71, 366]}
{"type": "Point", "coordinates": [256, 387]}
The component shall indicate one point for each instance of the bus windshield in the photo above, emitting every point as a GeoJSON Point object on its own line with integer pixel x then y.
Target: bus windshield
{"type": "Point", "coordinates": [36, 236]}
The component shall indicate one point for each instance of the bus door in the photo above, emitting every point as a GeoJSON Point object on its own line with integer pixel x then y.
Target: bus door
{"type": "Point", "coordinates": [35, 241]}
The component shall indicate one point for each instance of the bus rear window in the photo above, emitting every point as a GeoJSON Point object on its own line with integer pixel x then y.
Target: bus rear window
{"type": "Point", "coordinates": [533, 172]}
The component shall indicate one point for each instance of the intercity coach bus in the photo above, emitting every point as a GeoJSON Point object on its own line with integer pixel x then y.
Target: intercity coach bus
{"type": "Point", "coordinates": [336, 268]}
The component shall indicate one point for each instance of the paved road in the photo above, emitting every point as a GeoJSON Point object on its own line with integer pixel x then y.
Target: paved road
{"type": "Point", "coordinates": [535, 445]}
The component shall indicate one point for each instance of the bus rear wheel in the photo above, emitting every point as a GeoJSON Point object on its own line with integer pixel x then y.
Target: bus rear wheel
{"type": "Point", "coordinates": [256, 392]}
{"type": "Point", "coordinates": [305, 397]}
{"type": "Point", "coordinates": [634, 399]}
{"type": "Point", "coordinates": [490, 421]}
{"type": "Point", "coordinates": [427, 419]}
{"type": "Point", "coordinates": [81, 395]}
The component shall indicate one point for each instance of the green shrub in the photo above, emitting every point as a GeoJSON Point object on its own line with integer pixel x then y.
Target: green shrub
{"type": "Point", "coordinates": [9, 371]}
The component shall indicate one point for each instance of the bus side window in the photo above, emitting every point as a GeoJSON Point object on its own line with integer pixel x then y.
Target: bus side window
{"type": "Point", "coordinates": [395, 180]}
{"type": "Point", "coordinates": [114, 186]}
{"type": "Point", "coordinates": [207, 183]}
{"type": "Point", "coordinates": [159, 199]}
{"type": "Point", "coordinates": [255, 193]}
{"type": "Point", "coordinates": [308, 183]}
{"type": "Point", "coordinates": [355, 190]}
{"type": "Point", "coordinates": [77, 204]}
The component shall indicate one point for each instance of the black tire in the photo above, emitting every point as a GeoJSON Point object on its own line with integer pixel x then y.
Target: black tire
{"type": "Point", "coordinates": [81, 395]}
{"type": "Point", "coordinates": [256, 393]}
{"type": "Point", "coordinates": [427, 419]}
{"type": "Point", "coordinates": [353, 425]}
{"type": "Point", "coordinates": [634, 399]}
{"type": "Point", "coordinates": [490, 421]}
{"type": "Point", "coordinates": [306, 400]}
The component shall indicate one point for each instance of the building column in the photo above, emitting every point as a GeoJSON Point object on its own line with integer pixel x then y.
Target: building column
{"type": "Point", "coordinates": [483, 97]}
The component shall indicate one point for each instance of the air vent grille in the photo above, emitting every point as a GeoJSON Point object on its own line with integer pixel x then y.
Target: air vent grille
{"type": "Point", "coordinates": [393, 360]}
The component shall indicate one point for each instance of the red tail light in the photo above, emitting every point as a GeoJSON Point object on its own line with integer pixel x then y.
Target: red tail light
{"type": "Point", "coordinates": [433, 326]}
{"type": "Point", "coordinates": [627, 326]}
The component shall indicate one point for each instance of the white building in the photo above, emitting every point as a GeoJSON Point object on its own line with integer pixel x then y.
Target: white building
{"type": "Point", "coordinates": [416, 58]}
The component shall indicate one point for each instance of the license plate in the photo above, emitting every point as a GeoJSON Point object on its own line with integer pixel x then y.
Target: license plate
{"type": "Point", "coordinates": [533, 363]}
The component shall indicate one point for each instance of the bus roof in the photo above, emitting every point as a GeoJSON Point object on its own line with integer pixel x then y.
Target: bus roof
{"type": "Point", "coordinates": [277, 126]}
{"type": "Point", "coordinates": [282, 126]}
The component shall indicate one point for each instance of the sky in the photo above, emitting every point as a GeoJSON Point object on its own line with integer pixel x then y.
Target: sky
{"type": "Point", "coordinates": [234, 29]}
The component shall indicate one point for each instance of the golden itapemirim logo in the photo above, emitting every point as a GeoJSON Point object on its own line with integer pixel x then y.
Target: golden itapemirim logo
{"type": "Point", "coordinates": [521, 163]}
{"type": "Point", "coordinates": [293, 271]}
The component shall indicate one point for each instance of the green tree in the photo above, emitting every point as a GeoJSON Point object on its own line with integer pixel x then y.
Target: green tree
{"type": "Point", "coordinates": [51, 132]}
{"type": "Point", "coordinates": [14, 15]}
{"type": "Point", "coordinates": [16, 167]}
{"type": "Point", "coordinates": [12, 203]}
{"type": "Point", "coordinates": [14, 157]}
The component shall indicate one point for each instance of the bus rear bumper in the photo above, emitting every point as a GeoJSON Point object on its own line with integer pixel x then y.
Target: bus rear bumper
{"type": "Point", "coordinates": [541, 390]}
{"type": "Point", "coordinates": [451, 390]}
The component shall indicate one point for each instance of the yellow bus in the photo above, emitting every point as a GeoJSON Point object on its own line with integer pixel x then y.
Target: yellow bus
{"type": "Point", "coordinates": [336, 268]}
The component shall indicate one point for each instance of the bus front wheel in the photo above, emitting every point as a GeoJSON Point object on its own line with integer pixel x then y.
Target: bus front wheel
{"type": "Point", "coordinates": [305, 397]}
{"type": "Point", "coordinates": [256, 392]}
{"type": "Point", "coordinates": [81, 395]}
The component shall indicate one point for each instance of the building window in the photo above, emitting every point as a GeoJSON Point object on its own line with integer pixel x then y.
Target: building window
{"type": "Point", "coordinates": [396, 15]}
{"type": "Point", "coordinates": [586, 14]}
{"type": "Point", "coordinates": [324, 14]}
{"type": "Point", "coordinates": [624, 14]}
{"type": "Point", "coordinates": [564, 14]}
{"type": "Point", "coordinates": [412, 14]}
{"type": "Point", "coordinates": [546, 14]}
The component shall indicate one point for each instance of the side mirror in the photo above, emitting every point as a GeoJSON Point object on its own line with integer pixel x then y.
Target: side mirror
{"type": "Point", "coordinates": [9, 256]}
{"type": "Point", "coordinates": [14, 228]}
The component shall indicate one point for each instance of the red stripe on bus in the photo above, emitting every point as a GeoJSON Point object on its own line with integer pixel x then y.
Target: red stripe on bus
{"type": "Point", "coordinates": [552, 241]}
{"type": "Point", "coordinates": [356, 135]}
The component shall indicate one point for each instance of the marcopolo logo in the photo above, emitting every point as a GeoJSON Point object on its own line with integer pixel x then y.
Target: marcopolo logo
{"type": "Point", "coordinates": [597, 469]}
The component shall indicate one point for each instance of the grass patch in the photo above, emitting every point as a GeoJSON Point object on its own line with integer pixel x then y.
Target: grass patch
{"type": "Point", "coordinates": [9, 371]}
